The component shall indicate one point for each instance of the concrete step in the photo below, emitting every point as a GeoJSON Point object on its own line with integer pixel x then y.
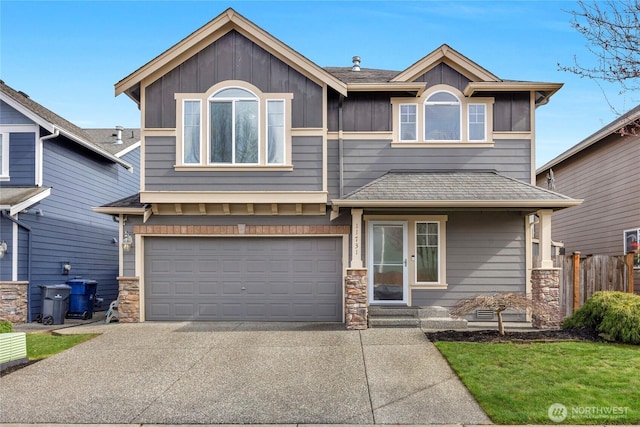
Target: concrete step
{"type": "Point", "coordinates": [391, 311]}
{"type": "Point", "coordinates": [442, 323]}
{"type": "Point", "coordinates": [433, 311]}
{"type": "Point", "coordinates": [394, 322]}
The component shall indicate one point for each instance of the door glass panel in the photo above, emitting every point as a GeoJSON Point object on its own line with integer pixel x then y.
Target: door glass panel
{"type": "Point", "coordinates": [388, 262]}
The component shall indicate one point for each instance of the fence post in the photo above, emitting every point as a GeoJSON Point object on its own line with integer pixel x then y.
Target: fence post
{"type": "Point", "coordinates": [629, 264]}
{"type": "Point", "coordinates": [576, 280]}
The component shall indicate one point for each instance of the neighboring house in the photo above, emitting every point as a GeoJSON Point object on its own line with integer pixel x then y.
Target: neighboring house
{"type": "Point", "coordinates": [52, 173]}
{"type": "Point", "coordinates": [269, 182]}
{"type": "Point", "coordinates": [603, 170]}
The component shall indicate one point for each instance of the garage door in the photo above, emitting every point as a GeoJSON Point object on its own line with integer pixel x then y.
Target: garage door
{"type": "Point", "coordinates": [261, 279]}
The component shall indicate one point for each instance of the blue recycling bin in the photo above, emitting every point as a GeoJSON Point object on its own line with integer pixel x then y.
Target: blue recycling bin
{"type": "Point", "coordinates": [82, 298]}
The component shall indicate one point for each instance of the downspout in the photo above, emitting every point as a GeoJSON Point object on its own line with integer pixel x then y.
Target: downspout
{"type": "Point", "coordinates": [28, 230]}
{"type": "Point", "coordinates": [340, 146]}
{"type": "Point", "coordinates": [40, 166]}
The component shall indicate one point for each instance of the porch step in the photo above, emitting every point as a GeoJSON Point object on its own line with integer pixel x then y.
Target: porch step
{"type": "Point", "coordinates": [433, 317]}
{"type": "Point", "coordinates": [393, 311]}
{"type": "Point", "coordinates": [443, 323]}
{"type": "Point", "coordinates": [394, 322]}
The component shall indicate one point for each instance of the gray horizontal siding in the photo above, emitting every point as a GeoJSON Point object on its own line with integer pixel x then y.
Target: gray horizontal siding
{"type": "Point", "coordinates": [365, 161]}
{"type": "Point", "coordinates": [6, 234]}
{"type": "Point", "coordinates": [233, 57]}
{"type": "Point", "coordinates": [160, 153]}
{"type": "Point", "coordinates": [485, 254]}
{"type": "Point", "coordinates": [22, 159]}
{"type": "Point", "coordinates": [605, 176]}
{"type": "Point", "coordinates": [11, 116]}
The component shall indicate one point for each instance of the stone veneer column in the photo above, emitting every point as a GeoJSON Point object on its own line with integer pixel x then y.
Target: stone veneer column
{"type": "Point", "coordinates": [356, 308]}
{"type": "Point", "coordinates": [129, 300]}
{"type": "Point", "coordinates": [545, 289]}
{"type": "Point", "coordinates": [13, 301]}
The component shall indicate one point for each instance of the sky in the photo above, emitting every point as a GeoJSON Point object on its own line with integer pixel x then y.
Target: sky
{"type": "Point", "coordinates": [67, 55]}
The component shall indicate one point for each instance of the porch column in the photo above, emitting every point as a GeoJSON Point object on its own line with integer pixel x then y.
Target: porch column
{"type": "Point", "coordinates": [356, 239]}
{"type": "Point", "coordinates": [544, 216]}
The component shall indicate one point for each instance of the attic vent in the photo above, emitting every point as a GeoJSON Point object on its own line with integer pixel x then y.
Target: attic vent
{"type": "Point", "coordinates": [484, 314]}
{"type": "Point", "coordinates": [23, 94]}
{"type": "Point", "coordinates": [118, 135]}
{"type": "Point", "coordinates": [356, 63]}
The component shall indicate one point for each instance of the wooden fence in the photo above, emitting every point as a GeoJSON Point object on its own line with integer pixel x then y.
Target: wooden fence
{"type": "Point", "coordinates": [582, 276]}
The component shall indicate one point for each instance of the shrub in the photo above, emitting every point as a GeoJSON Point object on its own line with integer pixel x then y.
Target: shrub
{"type": "Point", "coordinates": [5, 326]}
{"type": "Point", "coordinates": [616, 315]}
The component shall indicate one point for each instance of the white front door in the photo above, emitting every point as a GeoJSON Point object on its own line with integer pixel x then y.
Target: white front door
{"type": "Point", "coordinates": [387, 253]}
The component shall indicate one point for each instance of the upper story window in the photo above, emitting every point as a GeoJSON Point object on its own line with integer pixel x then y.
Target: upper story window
{"type": "Point", "coordinates": [233, 125]}
{"type": "Point", "coordinates": [4, 155]}
{"type": "Point", "coordinates": [442, 115]}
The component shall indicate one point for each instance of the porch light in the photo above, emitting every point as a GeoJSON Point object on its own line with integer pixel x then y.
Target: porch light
{"type": "Point", "coordinates": [3, 249]}
{"type": "Point", "coordinates": [127, 242]}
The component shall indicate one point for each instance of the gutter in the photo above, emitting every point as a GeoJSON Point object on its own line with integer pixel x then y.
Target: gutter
{"type": "Point", "coordinates": [28, 230]}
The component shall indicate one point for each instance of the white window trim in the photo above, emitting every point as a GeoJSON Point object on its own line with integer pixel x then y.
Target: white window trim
{"type": "Point", "coordinates": [204, 164]}
{"type": "Point", "coordinates": [464, 141]}
{"type": "Point", "coordinates": [4, 172]}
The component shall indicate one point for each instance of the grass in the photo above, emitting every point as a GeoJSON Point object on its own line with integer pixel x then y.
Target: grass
{"type": "Point", "coordinates": [598, 383]}
{"type": "Point", "coordinates": [41, 346]}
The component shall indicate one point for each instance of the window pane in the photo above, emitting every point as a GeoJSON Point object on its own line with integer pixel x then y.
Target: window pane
{"type": "Point", "coordinates": [275, 132]}
{"type": "Point", "coordinates": [191, 132]}
{"type": "Point", "coordinates": [476, 122]}
{"type": "Point", "coordinates": [233, 92]}
{"type": "Point", "coordinates": [221, 132]}
{"type": "Point", "coordinates": [442, 122]}
{"type": "Point", "coordinates": [246, 137]}
{"type": "Point", "coordinates": [408, 125]}
{"type": "Point", "coordinates": [442, 97]}
{"type": "Point", "coordinates": [427, 252]}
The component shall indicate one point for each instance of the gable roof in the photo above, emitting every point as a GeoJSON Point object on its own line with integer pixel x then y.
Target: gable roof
{"type": "Point", "coordinates": [53, 123]}
{"type": "Point", "coordinates": [630, 116]}
{"type": "Point", "coordinates": [207, 34]}
{"type": "Point", "coordinates": [451, 189]}
{"type": "Point", "coordinates": [106, 138]}
{"type": "Point", "coordinates": [17, 199]}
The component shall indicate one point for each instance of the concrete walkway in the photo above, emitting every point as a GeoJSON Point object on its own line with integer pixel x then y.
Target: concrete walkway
{"type": "Point", "coordinates": [219, 373]}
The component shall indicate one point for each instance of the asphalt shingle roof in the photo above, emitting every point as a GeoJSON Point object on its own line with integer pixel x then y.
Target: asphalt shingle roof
{"type": "Point", "coordinates": [478, 186]}
{"type": "Point", "coordinates": [127, 202]}
{"type": "Point", "coordinates": [365, 75]}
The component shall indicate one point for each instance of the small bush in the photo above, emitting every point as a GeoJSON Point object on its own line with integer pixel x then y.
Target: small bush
{"type": "Point", "coordinates": [616, 315]}
{"type": "Point", "coordinates": [5, 326]}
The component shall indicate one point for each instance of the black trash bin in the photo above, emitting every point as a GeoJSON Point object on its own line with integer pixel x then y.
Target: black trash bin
{"type": "Point", "coordinates": [55, 303]}
{"type": "Point", "coordinates": [82, 299]}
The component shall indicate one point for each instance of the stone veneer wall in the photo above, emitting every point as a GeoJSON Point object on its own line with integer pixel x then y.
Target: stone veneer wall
{"type": "Point", "coordinates": [13, 301]}
{"type": "Point", "coordinates": [545, 289]}
{"type": "Point", "coordinates": [129, 300]}
{"type": "Point", "coordinates": [356, 308]}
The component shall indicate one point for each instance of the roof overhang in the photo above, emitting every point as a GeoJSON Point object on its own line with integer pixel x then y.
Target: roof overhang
{"type": "Point", "coordinates": [470, 204]}
{"type": "Point", "coordinates": [417, 87]}
{"type": "Point", "coordinates": [543, 91]}
{"type": "Point", "coordinates": [92, 147]}
{"type": "Point", "coordinates": [17, 199]}
{"type": "Point", "coordinates": [225, 22]}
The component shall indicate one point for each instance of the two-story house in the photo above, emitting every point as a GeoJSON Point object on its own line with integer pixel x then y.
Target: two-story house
{"type": "Point", "coordinates": [52, 172]}
{"type": "Point", "coordinates": [270, 185]}
{"type": "Point", "coordinates": [602, 170]}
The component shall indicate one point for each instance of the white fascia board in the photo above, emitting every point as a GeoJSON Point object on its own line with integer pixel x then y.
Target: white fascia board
{"type": "Point", "coordinates": [17, 208]}
{"type": "Point", "coordinates": [96, 150]}
{"type": "Point", "coordinates": [128, 149]}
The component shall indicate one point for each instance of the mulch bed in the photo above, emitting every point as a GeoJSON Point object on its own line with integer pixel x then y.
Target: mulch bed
{"type": "Point", "coordinates": [492, 336]}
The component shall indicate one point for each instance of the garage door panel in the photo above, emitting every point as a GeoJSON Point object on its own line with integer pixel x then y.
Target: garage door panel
{"type": "Point", "coordinates": [276, 279]}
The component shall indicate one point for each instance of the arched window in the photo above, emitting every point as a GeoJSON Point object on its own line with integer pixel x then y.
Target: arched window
{"type": "Point", "coordinates": [442, 112]}
{"type": "Point", "coordinates": [234, 128]}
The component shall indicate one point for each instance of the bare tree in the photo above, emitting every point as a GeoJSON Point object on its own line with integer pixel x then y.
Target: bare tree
{"type": "Point", "coordinates": [504, 301]}
{"type": "Point", "coordinates": [612, 30]}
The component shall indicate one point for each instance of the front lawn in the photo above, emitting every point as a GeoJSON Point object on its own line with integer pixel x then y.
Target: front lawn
{"type": "Point", "coordinates": [598, 383]}
{"type": "Point", "coordinates": [40, 346]}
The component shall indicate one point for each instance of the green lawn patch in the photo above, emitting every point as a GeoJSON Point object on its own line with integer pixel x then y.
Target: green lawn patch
{"type": "Point", "coordinates": [598, 383]}
{"type": "Point", "coordinates": [40, 346]}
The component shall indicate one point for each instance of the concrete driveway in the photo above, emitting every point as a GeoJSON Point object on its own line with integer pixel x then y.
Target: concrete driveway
{"type": "Point", "coordinates": [215, 373]}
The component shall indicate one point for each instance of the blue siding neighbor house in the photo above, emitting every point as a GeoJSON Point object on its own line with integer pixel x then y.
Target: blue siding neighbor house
{"type": "Point", "coordinates": [52, 173]}
{"type": "Point", "coordinates": [275, 189]}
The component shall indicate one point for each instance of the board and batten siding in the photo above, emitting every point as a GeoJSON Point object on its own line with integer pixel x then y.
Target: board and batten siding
{"type": "Point", "coordinates": [605, 175]}
{"type": "Point", "coordinates": [367, 160]}
{"type": "Point", "coordinates": [68, 230]}
{"type": "Point", "coordinates": [485, 254]}
{"type": "Point", "coordinates": [233, 57]}
{"type": "Point", "coordinates": [160, 175]}
{"type": "Point", "coordinates": [22, 159]}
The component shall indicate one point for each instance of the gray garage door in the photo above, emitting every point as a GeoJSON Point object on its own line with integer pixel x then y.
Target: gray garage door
{"type": "Point", "coordinates": [263, 279]}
